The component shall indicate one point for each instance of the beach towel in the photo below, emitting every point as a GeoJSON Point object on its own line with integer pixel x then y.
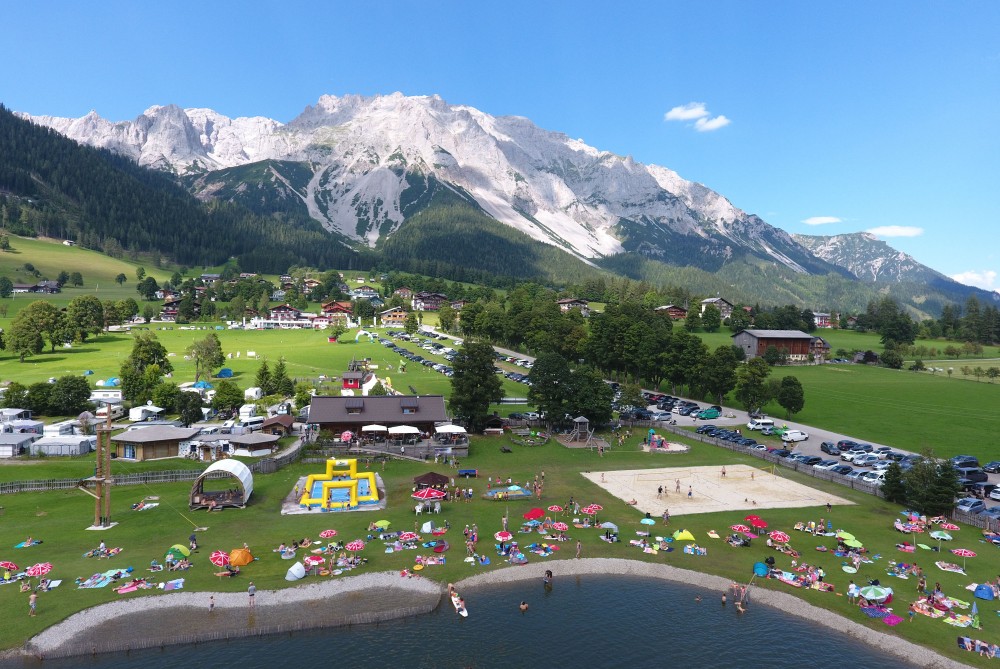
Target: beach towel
{"type": "Point", "coordinates": [892, 620]}
{"type": "Point", "coordinates": [875, 612]}
{"type": "Point", "coordinates": [956, 620]}
{"type": "Point", "coordinates": [175, 584]}
{"type": "Point", "coordinates": [950, 566]}
{"type": "Point", "coordinates": [146, 507]}
{"type": "Point", "coordinates": [713, 534]}
{"type": "Point", "coordinates": [24, 545]}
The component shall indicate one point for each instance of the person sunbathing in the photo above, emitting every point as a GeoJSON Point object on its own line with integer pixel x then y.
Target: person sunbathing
{"type": "Point", "coordinates": [632, 502]}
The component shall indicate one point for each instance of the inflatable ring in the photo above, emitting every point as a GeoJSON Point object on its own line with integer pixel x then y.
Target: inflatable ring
{"type": "Point", "coordinates": [418, 567]}
{"type": "Point", "coordinates": [324, 572]}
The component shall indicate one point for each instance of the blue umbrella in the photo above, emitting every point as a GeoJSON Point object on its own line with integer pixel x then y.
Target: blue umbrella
{"type": "Point", "coordinates": [760, 569]}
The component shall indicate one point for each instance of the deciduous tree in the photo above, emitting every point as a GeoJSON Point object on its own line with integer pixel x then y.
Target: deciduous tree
{"type": "Point", "coordinates": [474, 385]}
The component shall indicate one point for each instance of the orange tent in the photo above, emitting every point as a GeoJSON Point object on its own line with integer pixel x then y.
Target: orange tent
{"type": "Point", "coordinates": [240, 557]}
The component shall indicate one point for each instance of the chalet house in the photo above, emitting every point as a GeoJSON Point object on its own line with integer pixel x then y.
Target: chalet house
{"type": "Point", "coordinates": [424, 301]}
{"type": "Point", "coordinates": [724, 306]}
{"type": "Point", "coordinates": [285, 278]}
{"type": "Point", "coordinates": [852, 321]}
{"type": "Point", "coordinates": [673, 311]}
{"type": "Point", "coordinates": [279, 425]}
{"type": "Point", "coordinates": [822, 320]}
{"type": "Point", "coordinates": [377, 302]}
{"type": "Point", "coordinates": [309, 285]}
{"type": "Point", "coordinates": [458, 305]}
{"type": "Point", "coordinates": [279, 295]}
{"type": "Point", "coordinates": [796, 345]}
{"type": "Point", "coordinates": [285, 312]}
{"type": "Point", "coordinates": [338, 308]}
{"type": "Point", "coordinates": [247, 275]}
{"type": "Point", "coordinates": [819, 348]}
{"type": "Point", "coordinates": [46, 287]}
{"type": "Point", "coordinates": [337, 414]}
{"type": "Point", "coordinates": [395, 316]}
{"type": "Point", "coordinates": [352, 380]}
{"type": "Point", "coordinates": [210, 278]}
{"type": "Point", "coordinates": [574, 303]}
{"type": "Point", "coordinates": [363, 293]}
{"type": "Point", "coordinates": [170, 307]}
{"type": "Point", "coordinates": [151, 443]}
{"type": "Point", "coordinates": [162, 294]}
{"type": "Point", "coordinates": [403, 293]}
{"type": "Point", "coordinates": [343, 288]}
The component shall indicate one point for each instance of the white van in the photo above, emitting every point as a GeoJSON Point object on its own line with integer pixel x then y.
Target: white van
{"type": "Point", "coordinates": [760, 423]}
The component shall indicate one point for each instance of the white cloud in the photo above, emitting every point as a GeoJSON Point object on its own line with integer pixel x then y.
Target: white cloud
{"type": "Point", "coordinates": [688, 112]}
{"type": "Point", "coordinates": [697, 112]}
{"type": "Point", "coordinates": [984, 279]}
{"type": "Point", "coordinates": [710, 124]}
{"type": "Point", "coordinates": [821, 220]}
{"type": "Point", "coordinates": [896, 231]}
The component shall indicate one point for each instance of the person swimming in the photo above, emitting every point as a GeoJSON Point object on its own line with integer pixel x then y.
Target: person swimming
{"type": "Point", "coordinates": [523, 606]}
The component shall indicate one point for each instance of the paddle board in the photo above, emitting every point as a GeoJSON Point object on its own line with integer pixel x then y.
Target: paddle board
{"type": "Point", "coordinates": [459, 606]}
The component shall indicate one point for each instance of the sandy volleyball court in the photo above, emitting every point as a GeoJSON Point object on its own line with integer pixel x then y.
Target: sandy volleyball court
{"type": "Point", "coordinates": [743, 487]}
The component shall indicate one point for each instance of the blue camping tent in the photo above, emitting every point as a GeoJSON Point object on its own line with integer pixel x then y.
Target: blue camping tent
{"type": "Point", "coordinates": [225, 373]}
{"type": "Point", "coordinates": [89, 372]}
{"type": "Point", "coordinates": [984, 591]}
{"type": "Point", "coordinates": [203, 384]}
{"type": "Point", "coordinates": [113, 381]}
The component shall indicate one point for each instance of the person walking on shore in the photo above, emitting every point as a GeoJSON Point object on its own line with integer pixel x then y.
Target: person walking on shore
{"type": "Point", "coordinates": [251, 591]}
{"type": "Point", "coordinates": [211, 603]}
{"type": "Point", "coordinates": [32, 604]}
{"type": "Point", "coordinates": [677, 485]}
{"type": "Point", "coordinates": [579, 548]}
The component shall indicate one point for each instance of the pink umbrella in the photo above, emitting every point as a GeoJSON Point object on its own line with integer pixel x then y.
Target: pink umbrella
{"type": "Point", "coordinates": [503, 536]}
{"type": "Point", "coordinates": [314, 560]}
{"type": "Point", "coordinates": [752, 516]}
{"type": "Point", "coordinates": [534, 514]}
{"type": "Point", "coordinates": [328, 534]}
{"type": "Point", "coordinates": [758, 523]}
{"type": "Point", "coordinates": [740, 528]}
{"type": "Point", "coordinates": [951, 527]}
{"type": "Point", "coordinates": [355, 546]}
{"type": "Point", "coordinates": [40, 569]}
{"type": "Point", "coordinates": [778, 536]}
{"type": "Point", "coordinates": [8, 565]}
{"type": "Point", "coordinates": [596, 507]}
{"type": "Point", "coordinates": [589, 510]}
{"type": "Point", "coordinates": [408, 536]}
{"type": "Point", "coordinates": [347, 435]}
{"type": "Point", "coordinates": [555, 508]}
{"type": "Point", "coordinates": [428, 493]}
{"type": "Point", "coordinates": [219, 558]}
{"type": "Point", "coordinates": [560, 527]}
{"type": "Point", "coordinates": [963, 553]}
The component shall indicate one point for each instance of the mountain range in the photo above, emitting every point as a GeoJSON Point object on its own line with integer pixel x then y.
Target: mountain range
{"type": "Point", "coordinates": [366, 167]}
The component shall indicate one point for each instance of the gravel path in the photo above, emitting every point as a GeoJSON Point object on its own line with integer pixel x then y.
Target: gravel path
{"type": "Point", "coordinates": [376, 597]}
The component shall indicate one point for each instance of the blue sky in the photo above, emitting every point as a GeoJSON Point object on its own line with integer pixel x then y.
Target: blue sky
{"type": "Point", "coordinates": [820, 117]}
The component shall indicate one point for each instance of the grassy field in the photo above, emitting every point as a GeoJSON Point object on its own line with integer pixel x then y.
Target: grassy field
{"type": "Point", "coordinates": [59, 519]}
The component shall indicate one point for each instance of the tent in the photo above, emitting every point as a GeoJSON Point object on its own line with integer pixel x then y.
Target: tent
{"type": "Point", "coordinates": [225, 373]}
{"type": "Point", "coordinates": [984, 591]}
{"type": "Point", "coordinates": [427, 527]}
{"type": "Point", "coordinates": [683, 535]}
{"type": "Point", "coordinates": [113, 381]}
{"type": "Point", "coordinates": [240, 557]}
{"type": "Point", "coordinates": [202, 385]}
{"type": "Point", "coordinates": [202, 499]}
{"type": "Point", "coordinates": [295, 572]}
{"type": "Point", "coordinates": [430, 479]}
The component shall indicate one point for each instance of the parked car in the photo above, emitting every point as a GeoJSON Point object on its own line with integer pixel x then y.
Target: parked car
{"type": "Point", "coordinates": [825, 465]}
{"type": "Point", "coordinates": [995, 494]}
{"type": "Point", "coordinates": [881, 451]}
{"type": "Point", "coordinates": [709, 414]}
{"type": "Point", "coordinates": [843, 470]}
{"type": "Point", "coordinates": [846, 444]}
{"type": "Point", "coordinates": [829, 448]}
{"type": "Point", "coordinates": [702, 429]}
{"type": "Point", "coordinates": [983, 489]}
{"type": "Point", "coordinates": [865, 460]}
{"type": "Point", "coordinates": [894, 456]}
{"type": "Point", "coordinates": [873, 477]}
{"type": "Point", "coordinates": [854, 474]}
{"type": "Point", "coordinates": [970, 505]}
{"type": "Point", "coordinates": [530, 415]}
{"type": "Point", "coordinates": [974, 474]}
{"type": "Point", "coordinates": [810, 460]}
{"type": "Point", "coordinates": [881, 465]}
{"type": "Point", "coordinates": [992, 467]}
{"type": "Point", "coordinates": [781, 452]}
{"type": "Point", "coordinates": [794, 435]}
{"type": "Point", "coordinates": [965, 461]}
{"type": "Point", "coordinates": [759, 423]}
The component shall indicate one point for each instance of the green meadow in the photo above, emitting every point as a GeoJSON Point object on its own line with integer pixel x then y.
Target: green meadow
{"type": "Point", "coordinates": [59, 519]}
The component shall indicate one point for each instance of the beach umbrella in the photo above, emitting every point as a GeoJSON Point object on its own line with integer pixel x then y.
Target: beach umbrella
{"type": "Point", "coordinates": [761, 569]}
{"type": "Point", "coordinates": [648, 521]}
{"type": "Point", "coordinates": [683, 535]}
{"type": "Point", "coordinates": [740, 528]}
{"type": "Point", "coordinates": [555, 508]}
{"type": "Point", "coordinates": [346, 435]}
{"type": "Point", "coordinates": [963, 553]}
{"type": "Point", "coordinates": [560, 527]}
{"type": "Point", "coordinates": [949, 526]}
{"type": "Point", "coordinates": [240, 557]}
{"type": "Point", "coordinates": [534, 514]}
{"type": "Point", "coordinates": [608, 525]}
{"type": "Point", "coordinates": [8, 565]}
{"type": "Point", "coordinates": [40, 569]}
{"type": "Point", "coordinates": [409, 536]}
{"type": "Point", "coordinates": [875, 593]}
{"type": "Point", "coordinates": [503, 535]}
{"type": "Point", "coordinates": [219, 558]}
{"type": "Point", "coordinates": [758, 523]}
{"type": "Point", "coordinates": [428, 493]}
{"type": "Point", "coordinates": [846, 536]}
{"type": "Point", "coordinates": [589, 510]}
{"type": "Point", "coordinates": [327, 534]}
{"type": "Point", "coordinates": [596, 507]}
{"type": "Point", "coordinates": [779, 536]}
{"type": "Point", "coordinates": [176, 552]}
{"type": "Point", "coordinates": [314, 560]}
{"type": "Point", "coordinates": [853, 543]}
{"type": "Point", "coordinates": [355, 546]}
{"type": "Point", "coordinates": [752, 516]}
{"type": "Point", "coordinates": [940, 535]}
{"type": "Point", "coordinates": [382, 524]}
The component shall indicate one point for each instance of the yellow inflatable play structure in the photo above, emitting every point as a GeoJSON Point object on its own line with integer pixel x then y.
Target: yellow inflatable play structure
{"type": "Point", "coordinates": [341, 488]}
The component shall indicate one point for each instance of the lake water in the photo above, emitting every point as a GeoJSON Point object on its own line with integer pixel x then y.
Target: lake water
{"type": "Point", "coordinates": [584, 622]}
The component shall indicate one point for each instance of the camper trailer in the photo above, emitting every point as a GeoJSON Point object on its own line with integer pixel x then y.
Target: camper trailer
{"type": "Point", "coordinates": [117, 411]}
{"type": "Point", "coordinates": [254, 393]}
{"type": "Point", "coordinates": [248, 411]}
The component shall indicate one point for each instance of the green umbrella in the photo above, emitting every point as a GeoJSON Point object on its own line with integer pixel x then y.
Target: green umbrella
{"type": "Point", "coordinates": [875, 593]}
{"type": "Point", "coordinates": [846, 536]}
{"type": "Point", "coordinates": [853, 543]}
{"type": "Point", "coordinates": [382, 524]}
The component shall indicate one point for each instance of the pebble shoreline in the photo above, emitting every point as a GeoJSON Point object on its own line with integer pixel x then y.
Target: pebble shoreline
{"type": "Point", "coordinates": [415, 596]}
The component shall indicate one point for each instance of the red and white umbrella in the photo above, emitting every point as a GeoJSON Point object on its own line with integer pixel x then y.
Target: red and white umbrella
{"type": "Point", "coordinates": [963, 553]}
{"type": "Point", "coordinates": [314, 560]}
{"type": "Point", "coordinates": [758, 523]}
{"type": "Point", "coordinates": [560, 527]}
{"type": "Point", "coordinates": [409, 536]}
{"type": "Point", "coordinates": [503, 535]}
{"type": "Point", "coordinates": [752, 516]}
{"type": "Point", "coordinates": [951, 527]}
{"type": "Point", "coordinates": [778, 536]}
{"type": "Point", "coordinates": [219, 558]}
{"type": "Point", "coordinates": [740, 528]}
{"type": "Point", "coordinates": [40, 569]}
{"type": "Point", "coordinates": [428, 493]}
{"type": "Point", "coordinates": [346, 435]}
{"type": "Point", "coordinates": [589, 510]}
{"type": "Point", "coordinates": [355, 546]}
{"type": "Point", "coordinates": [328, 534]}
{"type": "Point", "coordinates": [555, 508]}
{"type": "Point", "coordinates": [8, 565]}
{"type": "Point", "coordinates": [596, 507]}
{"type": "Point", "coordinates": [534, 514]}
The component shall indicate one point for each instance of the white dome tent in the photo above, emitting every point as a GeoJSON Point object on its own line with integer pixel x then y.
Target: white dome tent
{"type": "Point", "coordinates": [218, 499]}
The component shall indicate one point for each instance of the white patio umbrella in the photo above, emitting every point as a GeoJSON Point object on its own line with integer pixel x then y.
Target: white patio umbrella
{"type": "Point", "coordinates": [374, 428]}
{"type": "Point", "coordinates": [450, 429]}
{"type": "Point", "coordinates": [403, 429]}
